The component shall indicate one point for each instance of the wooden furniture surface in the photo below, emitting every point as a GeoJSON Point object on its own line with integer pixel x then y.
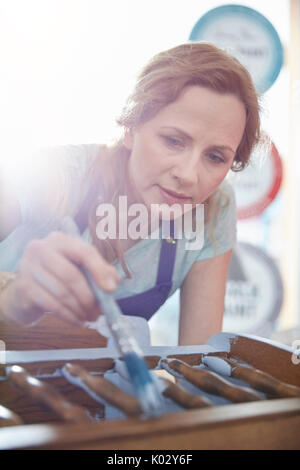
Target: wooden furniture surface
{"type": "Point", "coordinates": [50, 332]}
{"type": "Point", "coordinates": [268, 423]}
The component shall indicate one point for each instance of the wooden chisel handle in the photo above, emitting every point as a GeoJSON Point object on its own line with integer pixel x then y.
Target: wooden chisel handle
{"type": "Point", "coordinates": [212, 383]}
{"type": "Point", "coordinates": [262, 381]}
{"type": "Point", "coordinates": [46, 395]}
{"type": "Point", "coordinates": [184, 398]}
{"type": "Point", "coordinates": [105, 389]}
{"type": "Point", "coordinates": [8, 417]}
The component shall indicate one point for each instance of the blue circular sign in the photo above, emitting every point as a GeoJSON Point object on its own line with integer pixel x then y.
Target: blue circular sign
{"type": "Point", "coordinates": [247, 35]}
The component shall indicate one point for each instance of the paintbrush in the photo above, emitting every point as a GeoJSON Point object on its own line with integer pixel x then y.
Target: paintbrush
{"type": "Point", "coordinates": [256, 378]}
{"type": "Point", "coordinates": [101, 389]}
{"type": "Point", "coordinates": [145, 388]}
{"type": "Point", "coordinates": [209, 381]}
{"type": "Point", "coordinates": [169, 389]}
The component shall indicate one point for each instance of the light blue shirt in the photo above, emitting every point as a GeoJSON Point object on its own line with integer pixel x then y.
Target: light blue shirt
{"type": "Point", "coordinates": [66, 166]}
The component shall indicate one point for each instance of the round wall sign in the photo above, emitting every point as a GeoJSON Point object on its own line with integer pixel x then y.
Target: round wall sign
{"type": "Point", "coordinates": [258, 184]}
{"type": "Point", "coordinates": [254, 292]}
{"type": "Point", "coordinates": [247, 35]}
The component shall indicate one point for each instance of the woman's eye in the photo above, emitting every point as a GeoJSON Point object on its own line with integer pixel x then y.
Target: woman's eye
{"type": "Point", "coordinates": [215, 158]}
{"type": "Point", "coordinates": [173, 142]}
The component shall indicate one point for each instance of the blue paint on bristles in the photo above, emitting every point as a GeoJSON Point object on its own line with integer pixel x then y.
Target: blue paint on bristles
{"type": "Point", "coordinates": [145, 388]}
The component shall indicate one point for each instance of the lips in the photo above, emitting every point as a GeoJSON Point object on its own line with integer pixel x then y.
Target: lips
{"type": "Point", "coordinates": [172, 196]}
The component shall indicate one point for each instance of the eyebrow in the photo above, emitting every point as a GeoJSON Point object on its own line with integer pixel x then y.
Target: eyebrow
{"type": "Point", "coordinates": [188, 137]}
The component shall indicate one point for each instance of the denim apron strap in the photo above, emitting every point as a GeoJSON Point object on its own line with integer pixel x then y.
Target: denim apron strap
{"type": "Point", "coordinates": [147, 303]}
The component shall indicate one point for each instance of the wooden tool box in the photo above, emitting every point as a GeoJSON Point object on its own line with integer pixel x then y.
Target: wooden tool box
{"type": "Point", "coordinates": [78, 421]}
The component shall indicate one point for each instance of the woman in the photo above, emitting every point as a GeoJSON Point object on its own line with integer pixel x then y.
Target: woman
{"type": "Point", "coordinates": [192, 117]}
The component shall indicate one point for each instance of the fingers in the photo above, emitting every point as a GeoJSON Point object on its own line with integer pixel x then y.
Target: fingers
{"type": "Point", "coordinates": [57, 283]}
{"type": "Point", "coordinates": [31, 300]}
{"type": "Point", "coordinates": [59, 292]}
{"type": "Point", "coordinates": [71, 280]}
{"type": "Point", "coordinates": [105, 275]}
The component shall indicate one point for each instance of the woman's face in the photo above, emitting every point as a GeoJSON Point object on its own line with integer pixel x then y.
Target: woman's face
{"type": "Point", "coordinates": [183, 153]}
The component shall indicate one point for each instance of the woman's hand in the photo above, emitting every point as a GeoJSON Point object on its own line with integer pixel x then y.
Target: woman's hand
{"type": "Point", "coordinates": [49, 279]}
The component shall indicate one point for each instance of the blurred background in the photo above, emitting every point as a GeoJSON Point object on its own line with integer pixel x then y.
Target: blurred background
{"type": "Point", "coordinates": [68, 65]}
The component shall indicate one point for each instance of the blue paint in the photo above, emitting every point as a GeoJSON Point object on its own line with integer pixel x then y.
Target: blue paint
{"type": "Point", "coordinates": [147, 393]}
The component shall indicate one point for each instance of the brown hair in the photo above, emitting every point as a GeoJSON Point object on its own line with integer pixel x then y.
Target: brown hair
{"type": "Point", "coordinates": [160, 83]}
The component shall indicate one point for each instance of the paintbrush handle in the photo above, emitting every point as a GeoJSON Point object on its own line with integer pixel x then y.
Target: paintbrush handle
{"type": "Point", "coordinates": [212, 383]}
{"type": "Point", "coordinates": [105, 389]}
{"type": "Point", "coordinates": [44, 394]}
{"type": "Point", "coordinates": [182, 397]}
{"type": "Point", "coordinates": [118, 325]}
{"type": "Point", "coordinates": [262, 381]}
{"type": "Point", "coordinates": [145, 388]}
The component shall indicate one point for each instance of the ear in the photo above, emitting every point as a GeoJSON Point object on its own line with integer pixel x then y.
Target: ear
{"type": "Point", "coordinates": [128, 138]}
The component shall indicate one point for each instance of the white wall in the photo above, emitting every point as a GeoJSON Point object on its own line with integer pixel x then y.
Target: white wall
{"type": "Point", "coordinates": [67, 65]}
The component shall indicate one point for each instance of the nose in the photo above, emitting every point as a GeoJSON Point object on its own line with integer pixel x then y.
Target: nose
{"type": "Point", "coordinates": [187, 169]}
